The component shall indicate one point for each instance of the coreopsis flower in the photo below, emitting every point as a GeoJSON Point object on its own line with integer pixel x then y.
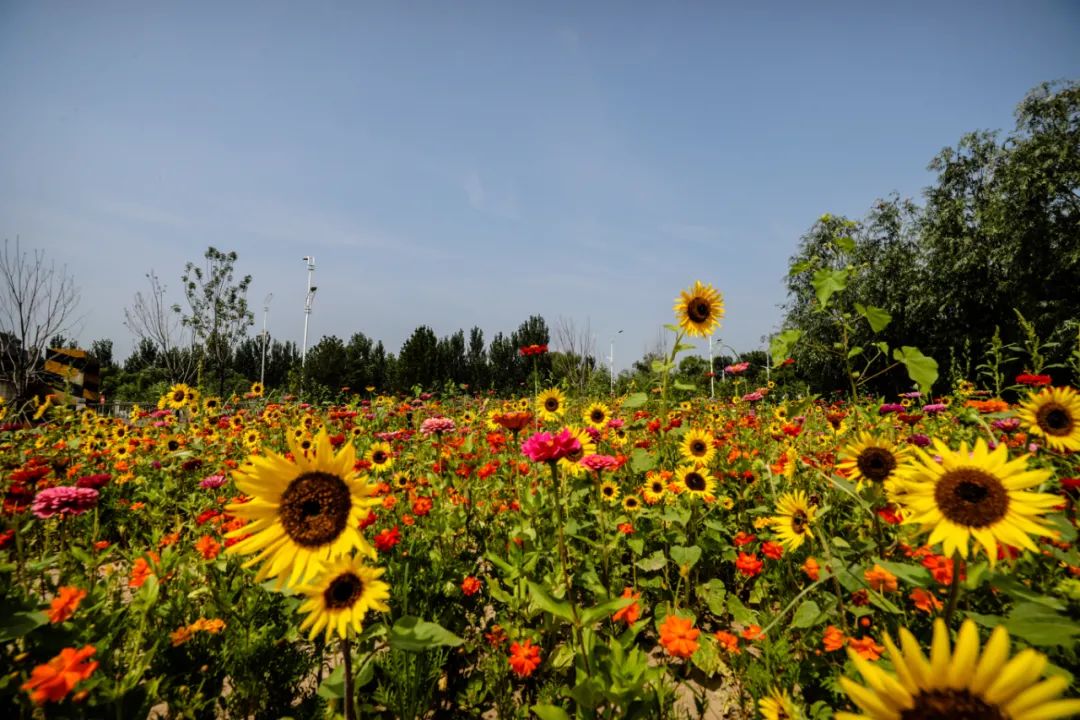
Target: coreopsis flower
{"type": "Point", "coordinates": [679, 636]}
{"type": "Point", "coordinates": [66, 602]}
{"type": "Point", "coordinates": [52, 681]}
{"type": "Point", "coordinates": [524, 658]}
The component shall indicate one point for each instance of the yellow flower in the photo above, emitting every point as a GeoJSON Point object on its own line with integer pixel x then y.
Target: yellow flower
{"type": "Point", "coordinates": [792, 520]}
{"type": "Point", "coordinates": [699, 310]}
{"type": "Point", "coordinates": [778, 705]}
{"type": "Point", "coordinates": [338, 600]}
{"type": "Point", "coordinates": [597, 415]}
{"type": "Point", "coordinates": [696, 480]}
{"type": "Point", "coordinates": [872, 459]}
{"type": "Point", "coordinates": [697, 446]}
{"type": "Point", "coordinates": [550, 405]}
{"type": "Point", "coordinates": [961, 683]}
{"type": "Point", "coordinates": [1054, 414]}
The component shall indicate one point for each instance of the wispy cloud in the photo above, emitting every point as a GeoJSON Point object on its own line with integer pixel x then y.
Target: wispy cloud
{"type": "Point", "coordinates": [490, 199]}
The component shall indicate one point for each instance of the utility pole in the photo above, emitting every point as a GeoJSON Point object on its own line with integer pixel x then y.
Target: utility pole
{"type": "Point", "coordinates": [712, 375]}
{"type": "Point", "coordinates": [611, 362]}
{"type": "Point", "coordinates": [307, 305]}
{"type": "Point", "coordinates": [265, 338]}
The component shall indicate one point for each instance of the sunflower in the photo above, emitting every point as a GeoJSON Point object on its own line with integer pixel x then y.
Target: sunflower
{"type": "Point", "coordinates": [1054, 413]}
{"type": "Point", "coordinates": [654, 490]}
{"type": "Point", "coordinates": [550, 405]}
{"type": "Point", "coordinates": [631, 503]}
{"type": "Point", "coordinates": [699, 310]}
{"type": "Point", "coordinates": [301, 512]}
{"type": "Point", "coordinates": [212, 404]}
{"type": "Point", "coordinates": [792, 520]}
{"type": "Point", "coordinates": [778, 705]}
{"type": "Point", "coordinates": [401, 480]}
{"type": "Point", "coordinates": [609, 491]}
{"type": "Point", "coordinates": [180, 396]}
{"type": "Point", "coordinates": [338, 600]}
{"type": "Point", "coordinates": [978, 493]}
{"type": "Point", "coordinates": [618, 437]}
{"type": "Point", "coordinates": [873, 460]}
{"type": "Point", "coordinates": [697, 446]}
{"type": "Point", "coordinates": [696, 480]}
{"type": "Point", "coordinates": [380, 455]}
{"type": "Point", "coordinates": [597, 415]}
{"type": "Point", "coordinates": [571, 464]}
{"type": "Point", "coordinates": [252, 439]}
{"type": "Point", "coordinates": [256, 390]}
{"type": "Point", "coordinates": [958, 684]}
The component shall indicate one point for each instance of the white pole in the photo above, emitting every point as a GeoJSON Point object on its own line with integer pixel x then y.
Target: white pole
{"type": "Point", "coordinates": [307, 306]}
{"type": "Point", "coordinates": [266, 311]}
{"type": "Point", "coordinates": [712, 377]}
{"type": "Point", "coordinates": [611, 362]}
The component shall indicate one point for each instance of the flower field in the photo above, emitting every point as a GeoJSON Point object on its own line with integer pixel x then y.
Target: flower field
{"type": "Point", "coordinates": [656, 554]}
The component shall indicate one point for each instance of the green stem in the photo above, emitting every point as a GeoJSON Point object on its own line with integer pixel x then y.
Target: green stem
{"type": "Point", "coordinates": [346, 653]}
{"type": "Point", "coordinates": [954, 588]}
{"type": "Point", "coordinates": [565, 562]}
{"type": "Point", "coordinates": [837, 590]}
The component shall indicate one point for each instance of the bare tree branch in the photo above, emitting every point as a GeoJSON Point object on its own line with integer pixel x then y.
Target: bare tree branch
{"type": "Point", "coordinates": [151, 318]}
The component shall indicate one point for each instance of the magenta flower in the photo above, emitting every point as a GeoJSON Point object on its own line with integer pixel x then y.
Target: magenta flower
{"type": "Point", "coordinates": [753, 397]}
{"type": "Point", "coordinates": [438, 425]}
{"type": "Point", "coordinates": [96, 482]}
{"type": "Point", "coordinates": [64, 500]}
{"type": "Point", "coordinates": [545, 447]}
{"type": "Point", "coordinates": [212, 482]}
{"type": "Point", "coordinates": [935, 408]}
{"type": "Point", "coordinates": [596, 463]}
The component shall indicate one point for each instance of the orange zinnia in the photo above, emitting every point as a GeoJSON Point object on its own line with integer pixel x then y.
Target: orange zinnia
{"type": "Point", "coordinates": [729, 641]}
{"type": "Point", "coordinates": [65, 604]}
{"type": "Point", "coordinates": [834, 639]}
{"type": "Point", "coordinates": [678, 636]}
{"type": "Point", "coordinates": [524, 658]}
{"type": "Point", "coordinates": [880, 579]}
{"type": "Point", "coordinates": [631, 612]}
{"type": "Point", "coordinates": [812, 569]}
{"type": "Point", "coordinates": [56, 678]}
{"type": "Point", "coordinates": [925, 601]}
{"type": "Point", "coordinates": [866, 647]}
{"type": "Point", "coordinates": [140, 571]}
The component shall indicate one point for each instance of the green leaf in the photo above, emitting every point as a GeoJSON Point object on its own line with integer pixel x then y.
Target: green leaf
{"type": "Point", "coordinates": [739, 611]}
{"type": "Point", "coordinates": [642, 461]}
{"type": "Point", "coordinates": [845, 243]}
{"type": "Point", "coordinates": [684, 386]}
{"type": "Point", "coordinates": [912, 574]}
{"type": "Point", "coordinates": [549, 712]}
{"type": "Point", "coordinates": [654, 562]}
{"type": "Point", "coordinates": [563, 657]}
{"type": "Point", "coordinates": [333, 687]}
{"type": "Point", "coordinates": [715, 593]}
{"type": "Point", "coordinates": [800, 267]}
{"type": "Point", "coordinates": [855, 352]}
{"type": "Point", "coordinates": [1041, 626]}
{"type": "Point", "coordinates": [413, 634]}
{"type": "Point", "coordinates": [558, 608]}
{"type": "Point", "coordinates": [827, 283]}
{"type": "Point", "coordinates": [707, 658]}
{"type": "Point", "coordinates": [604, 609]}
{"type": "Point", "coordinates": [807, 615]}
{"type": "Point", "coordinates": [635, 400]}
{"type": "Point", "coordinates": [17, 624]}
{"type": "Point", "coordinates": [878, 318]}
{"type": "Point", "coordinates": [921, 369]}
{"type": "Point", "coordinates": [685, 556]}
{"type": "Point", "coordinates": [636, 545]}
{"type": "Point", "coordinates": [781, 343]}
{"type": "Point", "coordinates": [658, 366]}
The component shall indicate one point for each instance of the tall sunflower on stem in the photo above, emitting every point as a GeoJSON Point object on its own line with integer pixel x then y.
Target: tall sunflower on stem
{"type": "Point", "coordinates": [699, 310]}
{"type": "Point", "coordinates": [302, 512]}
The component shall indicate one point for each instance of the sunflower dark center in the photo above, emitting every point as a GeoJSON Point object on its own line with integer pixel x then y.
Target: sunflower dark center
{"type": "Point", "coordinates": [971, 497]}
{"type": "Point", "coordinates": [379, 457]}
{"type": "Point", "coordinates": [607, 490]}
{"type": "Point", "coordinates": [876, 463]}
{"type": "Point", "coordinates": [315, 509]}
{"type": "Point", "coordinates": [631, 502]}
{"type": "Point", "coordinates": [597, 416]}
{"type": "Point", "coordinates": [343, 591]}
{"type": "Point", "coordinates": [798, 522]}
{"type": "Point", "coordinates": [698, 310]}
{"type": "Point", "coordinates": [576, 455]}
{"type": "Point", "coordinates": [1054, 419]}
{"type": "Point", "coordinates": [178, 396]}
{"type": "Point", "coordinates": [174, 446]}
{"type": "Point", "coordinates": [695, 482]}
{"type": "Point", "coordinates": [658, 487]}
{"type": "Point", "coordinates": [951, 705]}
{"type": "Point", "coordinates": [551, 404]}
{"type": "Point", "coordinates": [698, 447]}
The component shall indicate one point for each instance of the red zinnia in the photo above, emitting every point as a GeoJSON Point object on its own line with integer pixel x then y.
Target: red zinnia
{"type": "Point", "coordinates": [524, 658]}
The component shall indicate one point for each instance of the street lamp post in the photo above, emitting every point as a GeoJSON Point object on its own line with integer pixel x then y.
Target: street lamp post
{"type": "Point", "coordinates": [712, 375]}
{"type": "Point", "coordinates": [611, 362]}
{"type": "Point", "coordinates": [307, 306]}
{"type": "Point", "coordinates": [265, 338]}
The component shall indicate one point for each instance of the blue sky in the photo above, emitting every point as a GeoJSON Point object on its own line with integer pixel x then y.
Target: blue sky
{"type": "Point", "coordinates": [460, 164]}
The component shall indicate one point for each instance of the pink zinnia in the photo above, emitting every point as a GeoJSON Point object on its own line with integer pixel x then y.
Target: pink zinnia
{"type": "Point", "coordinates": [596, 463]}
{"type": "Point", "coordinates": [64, 500]}
{"type": "Point", "coordinates": [438, 425]}
{"type": "Point", "coordinates": [212, 482]}
{"type": "Point", "coordinates": [545, 447]}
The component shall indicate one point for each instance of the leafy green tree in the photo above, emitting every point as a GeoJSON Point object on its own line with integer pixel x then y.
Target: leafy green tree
{"type": "Point", "coordinates": [476, 361]}
{"type": "Point", "coordinates": [418, 360]}
{"type": "Point", "coordinates": [218, 311]}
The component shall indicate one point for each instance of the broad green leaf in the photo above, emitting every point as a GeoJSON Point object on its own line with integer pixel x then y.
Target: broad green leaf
{"type": "Point", "coordinates": [800, 267]}
{"type": "Point", "coordinates": [605, 609]}
{"type": "Point", "coordinates": [855, 352]}
{"type": "Point", "coordinates": [636, 545]}
{"type": "Point", "coordinates": [17, 624]}
{"type": "Point", "coordinates": [558, 608]}
{"type": "Point", "coordinates": [654, 562]}
{"type": "Point", "coordinates": [921, 369]}
{"type": "Point", "coordinates": [912, 574]}
{"type": "Point", "coordinates": [685, 556]}
{"type": "Point", "coordinates": [807, 615]}
{"type": "Point", "coordinates": [715, 593]}
{"type": "Point", "coordinates": [413, 634]}
{"type": "Point", "coordinates": [739, 611]}
{"type": "Point", "coordinates": [635, 400]}
{"type": "Point", "coordinates": [781, 344]}
{"type": "Point", "coordinates": [642, 461]}
{"type": "Point", "coordinates": [550, 712]}
{"type": "Point", "coordinates": [707, 658]}
{"type": "Point", "coordinates": [684, 386]}
{"type": "Point", "coordinates": [827, 283]}
{"type": "Point", "coordinates": [333, 687]}
{"type": "Point", "coordinates": [658, 366]}
{"type": "Point", "coordinates": [845, 243]}
{"type": "Point", "coordinates": [878, 318]}
{"type": "Point", "coordinates": [563, 657]}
